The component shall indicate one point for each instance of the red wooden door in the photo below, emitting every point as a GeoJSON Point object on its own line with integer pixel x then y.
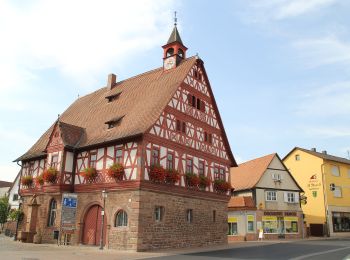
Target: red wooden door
{"type": "Point", "coordinates": [92, 226]}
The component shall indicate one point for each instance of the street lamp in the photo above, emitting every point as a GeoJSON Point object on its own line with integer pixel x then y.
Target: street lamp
{"type": "Point", "coordinates": [104, 196]}
{"type": "Point", "coordinates": [19, 217]}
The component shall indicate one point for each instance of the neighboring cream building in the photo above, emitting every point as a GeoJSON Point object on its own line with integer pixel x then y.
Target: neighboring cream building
{"type": "Point", "coordinates": [14, 198]}
{"type": "Point", "coordinates": [4, 188]}
{"type": "Point", "coordinates": [275, 194]}
{"type": "Point", "coordinates": [326, 181]}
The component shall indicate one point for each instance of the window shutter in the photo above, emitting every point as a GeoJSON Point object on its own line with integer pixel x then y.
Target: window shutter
{"type": "Point", "coordinates": [285, 196]}
{"type": "Point", "coordinates": [202, 106]}
{"type": "Point", "coordinates": [296, 194]}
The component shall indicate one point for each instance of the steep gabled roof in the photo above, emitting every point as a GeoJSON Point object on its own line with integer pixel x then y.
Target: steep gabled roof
{"type": "Point", "coordinates": [248, 174]}
{"type": "Point", "coordinates": [142, 99]}
{"type": "Point", "coordinates": [320, 155]}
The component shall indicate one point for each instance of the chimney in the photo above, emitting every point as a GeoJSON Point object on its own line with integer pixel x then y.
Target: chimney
{"type": "Point", "coordinates": [112, 81]}
{"type": "Point", "coordinates": [324, 152]}
{"type": "Point", "coordinates": [313, 149]}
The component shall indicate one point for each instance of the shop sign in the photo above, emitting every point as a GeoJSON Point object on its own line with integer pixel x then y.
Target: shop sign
{"type": "Point", "coordinates": [273, 213]}
{"type": "Point", "coordinates": [250, 218]}
{"type": "Point", "coordinates": [290, 218]}
{"type": "Point", "coordinates": [269, 218]}
{"type": "Point", "coordinates": [314, 183]}
{"type": "Point", "coordinates": [290, 213]}
{"type": "Point", "coordinates": [232, 219]}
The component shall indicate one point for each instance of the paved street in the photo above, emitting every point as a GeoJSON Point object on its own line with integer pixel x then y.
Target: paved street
{"type": "Point", "coordinates": [307, 249]}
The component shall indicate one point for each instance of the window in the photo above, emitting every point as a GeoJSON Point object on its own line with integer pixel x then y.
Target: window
{"type": "Point", "coordinates": [232, 228]}
{"type": "Point", "coordinates": [92, 159]}
{"type": "Point", "coordinates": [155, 157]}
{"type": "Point", "coordinates": [15, 197]}
{"type": "Point", "coordinates": [335, 170]}
{"type": "Point", "coordinates": [189, 215]}
{"type": "Point", "coordinates": [54, 161]}
{"type": "Point", "coordinates": [31, 168]}
{"type": "Point", "coordinates": [121, 220]}
{"type": "Point", "coordinates": [205, 137]}
{"type": "Point", "coordinates": [210, 138]}
{"type": "Point", "coordinates": [189, 165]}
{"type": "Point", "coordinates": [111, 98]}
{"type": "Point", "coordinates": [201, 168]}
{"type": "Point", "coordinates": [297, 157]}
{"type": "Point", "coordinates": [178, 125]}
{"type": "Point", "coordinates": [337, 192]}
{"type": "Point", "coordinates": [250, 223]}
{"type": "Point", "coordinates": [341, 221]}
{"type": "Point", "coordinates": [184, 127]}
{"type": "Point", "coordinates": [216, 173]}
{"type": "Point", "coordinates": [214, 215]}
{"type": "Point", "coordinates": [199, 104]}
{"type": "Point", "coordinates": [270, 225]}
{"type": "Point", "coordinates": [158, 213]}
{"type": "Point", "coordinates": [291, 197]}
{"type": "Point", "coordinates": [271, 196]}
{"type": "Point", "coordinates": [52, 213]}
{"type": "Point", "coordinates": [193, 101]}
{"type": "Point", "coordinates": [291, 224]}
{"type": "Point", "coordinates": [118, 155]}
{"type": "Point", "coordinates": [221, 173]}
{"type": "Point", "coordinates": [170, 161]}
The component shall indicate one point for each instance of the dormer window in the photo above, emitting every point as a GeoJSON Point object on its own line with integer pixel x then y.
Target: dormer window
{"type": "Point", "coordinates": [113, 97]}
{"type": "Point", "coordinates": [113, 122]}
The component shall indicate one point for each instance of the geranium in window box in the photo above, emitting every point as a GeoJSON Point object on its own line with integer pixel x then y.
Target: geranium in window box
{"type": "Point", "coordinates": [27, 180]}
{"type": "Point", "coordinates": [39, 180]}
{"type": "Point", "coordinates": [222, 186]}
{"type": "Point", "coordinates": [89, 173]}
{"type": "Point", "coordinates": [172, 176]}
{"type": "Point", "coordinates": [204, 182]}
{"type": "Point", "coordinates": [192, 180]}
{"type": "Point", "coordinates": [50, 175]}
{"type": "Point", "coordinates": [157, 173]}
{"type": "Point", "coordinates": [116, 171]}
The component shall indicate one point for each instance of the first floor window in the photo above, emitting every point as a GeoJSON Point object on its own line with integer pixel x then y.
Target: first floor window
{"type": "Point", "coordinates": [155, 157]}
{"type": "Point", "coordinates": [335, 170]}
{"type": "Point", "coordinates": [92, 159]}
{"type": "Point", "coordinates": [54, 161]}
{"type": "Point", "coordinates": [158, 213]}
{"type": "Point", "coordinates": [15, 197]}
{"type": "Point", "coordinates": [189, 215]}
{"type": "Point", "coordinates": [52, 213]}
{"type": "Point", "coordinates": [291, 197]}
{"type": "Point", "coordinates": [201, 168]}
{"type": "Point", "coordinates": [221, 173]}
{"type": "Point", "coordinates": [189, 166]}
{"type": "Point", "coordinates": [170, 161]}
{"type": "Point", "coordinates": [250, 223]}
{"type": "Point", "coordinates": [121, 219]}
{"type": "Point", "coordinates": [341, 221]}
{"type": "Point", "coordinates": [232, 228]}
{"type": "Point", "coordinates": [119, 155]}
{"type": "Point", "coordinates": [271, 196]}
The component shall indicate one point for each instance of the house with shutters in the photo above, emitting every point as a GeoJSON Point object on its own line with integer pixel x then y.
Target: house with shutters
{"type": "Point", "coordinates": [141, 163]}
{"type": "Point", "coordinates": [265, 197]}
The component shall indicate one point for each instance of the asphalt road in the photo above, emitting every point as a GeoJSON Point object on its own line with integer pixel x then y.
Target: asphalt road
{"type": "Point", "coordinates": [331, 249]}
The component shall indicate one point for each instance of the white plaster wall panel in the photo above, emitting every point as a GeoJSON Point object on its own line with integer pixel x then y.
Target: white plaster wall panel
{"type": "Point", "coordinates": [100, 153]}
{"type": "Point", "coordinates": [99, 165]}
{"type": "Point", "coordinates": [109, 162]}
{"type": "Point", "coordinates": [69, 162]}
{"type": "Point", "coordinates": [110, 151]}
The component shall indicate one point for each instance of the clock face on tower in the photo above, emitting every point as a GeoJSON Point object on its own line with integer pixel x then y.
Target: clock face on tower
{"type": "Point", "coordinates": [169, 63]}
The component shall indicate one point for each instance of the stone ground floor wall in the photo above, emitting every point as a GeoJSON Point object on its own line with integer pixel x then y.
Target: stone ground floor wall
{"type": "Point", "coordinates": [143, 231]}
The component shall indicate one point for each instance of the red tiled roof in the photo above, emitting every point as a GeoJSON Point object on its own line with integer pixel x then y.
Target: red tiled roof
{"type": "Point", "coordinates": [242, 203]}
{"type": "Point", "coordinates": [142, 99]}
{"type": "Point", "coordinates": [248, 174]}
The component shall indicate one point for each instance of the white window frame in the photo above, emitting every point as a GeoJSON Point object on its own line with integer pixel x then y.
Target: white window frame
{"type": "Point", "coordinates": [337, 193]}
{"type": "Point", "coordinates": [291, 197]}
{"type": "Point", "coordinates": [337, 173]}
{"type": "Point", "coordinates": [271, 196]}
{"type": "Point", "coordinates": [251, 231]}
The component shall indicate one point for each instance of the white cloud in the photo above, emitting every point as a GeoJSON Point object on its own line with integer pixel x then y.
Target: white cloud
{"type": "Point", "coordinates": [326, 101]}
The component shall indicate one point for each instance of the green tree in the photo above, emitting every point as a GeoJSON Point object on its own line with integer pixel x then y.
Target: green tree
{"type": "Point", "coordinates": [4, 210]}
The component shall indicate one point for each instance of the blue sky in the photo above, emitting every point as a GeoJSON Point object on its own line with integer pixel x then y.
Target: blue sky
{"type": "Point", "coordinates": [279, 69]}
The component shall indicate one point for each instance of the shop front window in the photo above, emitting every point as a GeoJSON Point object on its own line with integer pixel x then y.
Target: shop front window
{"type": "Point", "coordinates": [291, 224]}
{"type": "Point", "coordinates": [341, 221]}
{"type": "Point", "coordinates": [270, 225]}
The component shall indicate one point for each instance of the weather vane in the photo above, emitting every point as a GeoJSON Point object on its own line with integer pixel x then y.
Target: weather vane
{"type": "Point", "coordinates": [175, 19]}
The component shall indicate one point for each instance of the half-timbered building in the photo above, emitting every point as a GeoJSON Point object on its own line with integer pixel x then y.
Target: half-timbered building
{"type": "Point", "coordinates": [159, 124]}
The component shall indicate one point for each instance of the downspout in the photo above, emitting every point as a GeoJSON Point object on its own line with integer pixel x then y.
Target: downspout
{"type": "Point", "coordinates": [325, 198]}
{"type": "Point", "coordinates": [20, 177]}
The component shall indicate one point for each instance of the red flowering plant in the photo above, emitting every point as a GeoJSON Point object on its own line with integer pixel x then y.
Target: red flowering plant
{"type": "Point", "coordinates": [222, 186]}
{"type": "Point", "coordinates": [192, 180]}
{"type": "Point", "coordinates": [172, 176]}
{"type": "Point", "coordinates": [39, 180]}
{"type": "Point", "coordinates": [50, 175]}
{"type": "Point", "coordinates": [116, 170]}
{"type": "Point", "coordinates": [204, 182]}
{"type": "Point", "coordinates": [89, 173]}
{"type": "Point", "coordinates": [27, 180]}
{"type": "Point", "coordinates": [157, 173]}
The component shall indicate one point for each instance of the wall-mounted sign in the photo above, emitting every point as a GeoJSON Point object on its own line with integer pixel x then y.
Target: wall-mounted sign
{"type": "Point", "coordinates": [69, 211]}
{"type": "Point", "coordinates": [314, 193]}
{"type": "Point", "coordinates": [314, 183]}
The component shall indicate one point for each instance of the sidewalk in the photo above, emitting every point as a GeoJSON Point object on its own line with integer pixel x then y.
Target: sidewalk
{"type": "Point", "coordinates": [10, 249]}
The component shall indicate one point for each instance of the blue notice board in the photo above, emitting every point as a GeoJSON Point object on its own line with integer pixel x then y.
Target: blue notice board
{"type": "Point", "coordinates": [70, 202]}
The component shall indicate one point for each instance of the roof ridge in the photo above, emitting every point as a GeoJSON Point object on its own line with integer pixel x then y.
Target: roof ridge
{"type": "Point", "coordinates": [257, 159]}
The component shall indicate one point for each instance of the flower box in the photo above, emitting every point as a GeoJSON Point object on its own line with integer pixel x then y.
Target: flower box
{"type": "Point", "coordinates": [27, 180]}
{"type": "Point", "coordinates": [172, 176]}
{"type": "Point", "coordinates": [89, 173]}
{"type": "Point", "coordinates": [204, 182]}
{"type": "Point", "coordinates": [116, 171]}
{"type": "Point", "coordinates": [222, 186]}
{"type": "Point", "coordinates": [50, 175]}
{"type": "Point", "coordinates": [157, 174]}
{"type": "Point", "coordinates": [39, 180]}
{"type": "Point", "coordinates": [192, 180]}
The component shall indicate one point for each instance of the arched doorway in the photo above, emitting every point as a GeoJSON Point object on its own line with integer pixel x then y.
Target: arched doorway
{"type": "Point", "coordinates": [92, 226]}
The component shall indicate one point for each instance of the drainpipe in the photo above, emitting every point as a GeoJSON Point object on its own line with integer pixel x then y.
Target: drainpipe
{"type": "Point", "coordinates": [325, 198]}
